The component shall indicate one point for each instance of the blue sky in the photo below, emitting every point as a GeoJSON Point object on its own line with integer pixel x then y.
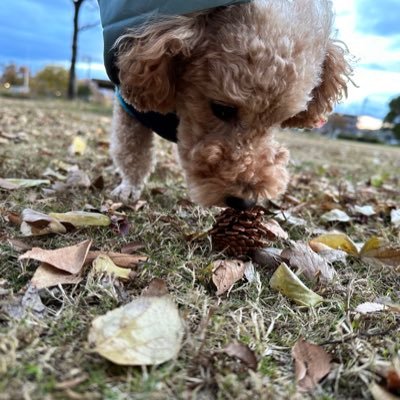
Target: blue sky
{"type": "Point", "coordinates": [38, 32]}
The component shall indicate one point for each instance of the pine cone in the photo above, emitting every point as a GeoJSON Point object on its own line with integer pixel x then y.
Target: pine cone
{"type": "Point", "coordinates": [241, 232]}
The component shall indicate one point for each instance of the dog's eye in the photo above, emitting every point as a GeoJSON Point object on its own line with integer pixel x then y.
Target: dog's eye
{"type": "Point", "coordinates": [223, 112]}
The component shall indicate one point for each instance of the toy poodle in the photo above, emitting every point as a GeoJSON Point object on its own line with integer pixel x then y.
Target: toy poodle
{"type": "Point", "coordinates": [219, 81]}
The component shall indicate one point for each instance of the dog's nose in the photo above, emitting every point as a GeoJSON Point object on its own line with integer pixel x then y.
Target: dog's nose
{"type": "Point", "coordinates": [239, 203]}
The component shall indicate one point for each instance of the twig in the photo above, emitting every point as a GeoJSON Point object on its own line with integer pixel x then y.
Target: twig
{"type": "Point", "coordinates": [357, 335]}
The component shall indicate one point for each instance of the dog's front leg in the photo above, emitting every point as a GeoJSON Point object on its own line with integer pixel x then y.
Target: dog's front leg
{"type": "Point", "coordinates": [132, 151]}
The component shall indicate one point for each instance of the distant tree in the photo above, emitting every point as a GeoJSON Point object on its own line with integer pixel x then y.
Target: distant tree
{"type": "Point", "coordinates": [51, 81]}
{"type": "Point", "coordinates": [12, 75]}
{"type": "Point", "coordinates": [72, 87]}
{"type": "Point", "coordinates": [393, 116]}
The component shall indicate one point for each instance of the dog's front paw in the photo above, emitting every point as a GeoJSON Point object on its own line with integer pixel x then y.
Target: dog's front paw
{"type": "Point", "coordinates": [127, 193]}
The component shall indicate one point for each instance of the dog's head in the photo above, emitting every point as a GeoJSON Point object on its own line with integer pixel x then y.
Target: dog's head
{"type": "Point", "coordinates": [232, 75]}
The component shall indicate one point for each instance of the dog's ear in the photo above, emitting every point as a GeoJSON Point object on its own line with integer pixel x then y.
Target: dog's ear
{"type": "Point", "coordinates": [149, 62]}
{"type": "Point", "coordinates": [333, 86]}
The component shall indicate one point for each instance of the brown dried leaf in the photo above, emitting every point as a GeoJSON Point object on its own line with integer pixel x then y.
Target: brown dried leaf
{"type": "Point", "coordinates": [69, 259]}
{"type": "Point", "coordinates": [274, 230]}
{"type": "Point", "coordinates": [312, 265]}
{"type": "Point", "coordinates": [268, 257]}
{"type": "Point", "coordinates": [121, 259]}
{"type": "Point", "coordinates": [312, 363]}
{"type": "Point", "coordinates": [243, 353]}
{"type": "Point", "coordinates": [226, 273]}
{"type": "Point", "coordinates": [157, 287]}
{"type": "Point", "coordinates": [382, 251]}
{"type": "Point", "coordinates": [35, 223]}
{"type": "Point", "coordinates": [46, 276]}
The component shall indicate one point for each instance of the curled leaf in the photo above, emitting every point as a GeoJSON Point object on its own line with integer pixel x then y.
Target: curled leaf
{"type": "Point", "coordinates": [103, 264]}
{"type": "Point", "coordinates": [225, 273]}
{"type": "Point", "coordinates": [367, 211]}
{"type": "Point", "coordinates": [35, 223]}
{"type": "Point", "coordinates": [69, 259]}
{"type": "Point", "coordinates": [309, 263]}
{"type": "Point", "coordinates": [336, 215]}
{"type": "Point", "coordinates": [12, 184]}
{"type": "Point", "coordinates": [82, 218]}
{"type": "Point", "coordinates": [337, 241]}
{"type": "Point", "coordinates": [312, 363]}
{"type": "Point", "coordinates": [378, 249]}
{"type": "Point", "coordinates": [395, 217]}
{"type": "Point", "coordinates": [146, 331]}
{"type": "Point", "coordinates": [366, 308]}
{"type": "Point", "coordinates": [286, 282]}
{"type": "Point", "coordinates": [243, 353]}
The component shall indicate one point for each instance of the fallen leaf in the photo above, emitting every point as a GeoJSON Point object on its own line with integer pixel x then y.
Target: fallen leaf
{"type": "Point", "coordinates": [77, 178]}
{"type": "Point", "coordinates": [250, 272]}
{"type": "Point", "coordinates": [121, 259]}
{"type": "Point", "coordinates": [367, 211]}
{"type": "Point", "coordinates": [120, 224]}
{"type": "Point", "coordinates": [69, 259]}
{"type": "Point", "coordinates": [395, 217]}
{"type": "Point", "coordinates": [286, 216]}
{"type": "Point", "coordinates": [47, 276]}
{"type": "Point", "coordinates": [103, 264]}
{"type": "Point", "coordinates": [243, 353]}
{"type": "Point", "coordinates": [286, 282]}
{"type": "Point", "coordinates": [335, 215]}
{"type": "Point", "coordinates": [274, 230]}
{"type": "Point", "coordinates": [312, 363]}
{"type": "Point", "coordinates": [21, 306]}
{"type": "Point", "coordinates": [268, 257]}
{"type": "Point", "coordinates": [309, 263]}
{"type": "Point", "coordinates": [366, 308]}
{"type": "Point", "coordinates": [12, 184]}
{"type": "Point", "coordinates": [157, 287]}
{"type": "Point", "coordinates": [82, 218]}
{"type": "Point", "coordinates": [337, 241]}
{"type": "Point", "coordinates": [382, 251]}
{"type": "Point", "coordinates": [18, 245]}
{"type": "Point", "coordinates": [78, 146]}
{"type": "Point", "coordinates": [146, 331]}
{"type": "Point", "coordinates": [35, 223]}
{"type": "Point", "coordinates": [225, 273]}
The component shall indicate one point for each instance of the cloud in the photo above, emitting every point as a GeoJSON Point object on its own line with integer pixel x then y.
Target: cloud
{"type": "Point", "coordinates": [378, 17]}
{"type": "Point", "coordinates": [35, 30]}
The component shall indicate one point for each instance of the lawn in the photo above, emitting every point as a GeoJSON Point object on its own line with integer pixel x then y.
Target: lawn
{"type": "Point", "coordinates": [46, 355]}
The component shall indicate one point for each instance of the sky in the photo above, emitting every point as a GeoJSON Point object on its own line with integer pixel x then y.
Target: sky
{"type": "Point", "coordinates": [38, 32]}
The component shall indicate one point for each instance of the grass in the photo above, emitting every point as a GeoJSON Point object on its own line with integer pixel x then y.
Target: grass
{"type": "Point", "coordinates": [49, 358]}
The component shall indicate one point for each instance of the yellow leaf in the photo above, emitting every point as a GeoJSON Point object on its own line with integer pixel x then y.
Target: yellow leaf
{"type": "Point", "coordinates": [380, 250]}
{"type": "Point", "coordinates": [78, 146]}
{"type": "Point", "coordinates": [286, 282]}
{"type": "Point", "coordinates": [146, 331]}
{"type": "Point", "coordinates": [337, 241]}
{"type": "Point", "coordinates": [103, 263]}
{"type": "Point", "coordinates": [11, 183]}
{"type": "Point", "coordinates": [82, 218]}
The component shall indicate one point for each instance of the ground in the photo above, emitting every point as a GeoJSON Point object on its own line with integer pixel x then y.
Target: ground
{"type": "Point", "coordinates": [49, 358]}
